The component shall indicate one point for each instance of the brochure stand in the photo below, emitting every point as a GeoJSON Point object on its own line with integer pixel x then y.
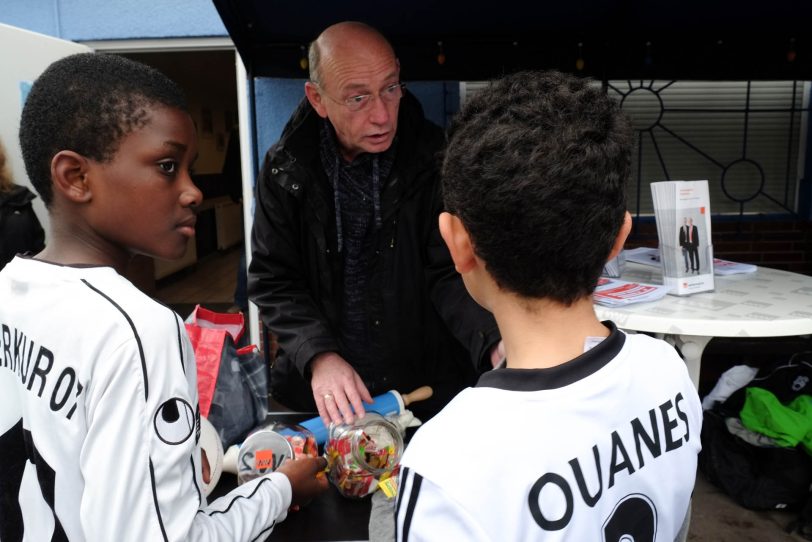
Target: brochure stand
{"type": "Point", "coordinates": [682, 212]}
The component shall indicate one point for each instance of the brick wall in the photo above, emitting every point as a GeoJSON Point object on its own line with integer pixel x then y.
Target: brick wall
{"type": "Point", "coordinates": [781, 244]}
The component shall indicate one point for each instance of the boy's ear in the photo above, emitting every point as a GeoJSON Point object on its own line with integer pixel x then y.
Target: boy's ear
{"type": "Point", "coordinates": [69, 175]}
{"type": "Point", "coordinates": [458, 241]}
{"type": "Point", "coordinates": [316, 99]}
{"type": "Point", "coordinates": [622, 234]}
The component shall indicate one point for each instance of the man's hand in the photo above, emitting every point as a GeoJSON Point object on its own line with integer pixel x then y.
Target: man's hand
{"type": "Point", "coordinates": [337, 389]}
{"type": "Point", "coordinates": [307, 478]}
{"type": "Point", "coordinates": [498, 353]}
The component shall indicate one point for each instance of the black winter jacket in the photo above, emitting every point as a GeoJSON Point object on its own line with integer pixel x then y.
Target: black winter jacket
{"type": "Point", "coordinates": [20, 230]}
{"type": "Point", "coordinates": [426, 328]}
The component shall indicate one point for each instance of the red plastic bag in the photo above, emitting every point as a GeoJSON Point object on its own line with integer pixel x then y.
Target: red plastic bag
{"type": "Point", "coordinates": [232, 382]}
{"type": "Point", "coordinates": [208, 331]}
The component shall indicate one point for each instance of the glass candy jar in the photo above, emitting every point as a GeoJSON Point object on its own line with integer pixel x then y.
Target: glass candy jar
{"type": "Point", "coordinates": [363, 454]}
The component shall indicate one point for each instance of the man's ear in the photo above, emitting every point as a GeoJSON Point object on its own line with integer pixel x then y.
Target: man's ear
{"type": "Point", "coordinates": [622, 234]}
{"type": "Point", "coordinates": [458, 241]}
{"type": "Point", "coordinates": [69, 171]}
{"type": "Point", "coordinates": [316, 99]}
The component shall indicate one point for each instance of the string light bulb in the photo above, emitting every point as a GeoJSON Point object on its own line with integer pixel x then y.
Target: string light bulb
{"type": "Point", "coordinates": [440, 54]}
{"type": "Point", "coordinates": [579, 62]}
{"type": "Point", "coordinates": [303, 63]}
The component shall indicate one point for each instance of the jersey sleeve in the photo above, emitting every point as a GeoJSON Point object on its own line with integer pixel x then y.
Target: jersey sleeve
{"type": "Point", "coordinates": [141, 458]}
{"type": "Point", "coordinates": [445, 520]}
{"type": "Point", "coordinates": [246, 513]}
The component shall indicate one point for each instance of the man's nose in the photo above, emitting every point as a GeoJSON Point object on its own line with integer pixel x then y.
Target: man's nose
{"type": "Point", "coordinates": [379, 112]}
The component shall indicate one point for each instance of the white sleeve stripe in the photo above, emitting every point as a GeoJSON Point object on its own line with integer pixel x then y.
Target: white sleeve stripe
{"type": "Point", "coordinates": [155, 500]}
{"type": "Point", "coordinates": [194, 481]}
{"type": "Point", "coordinates": [403, 482]}
{"type": "Point", "coordinates": [404, 476]}
{"type": "Point", "coordinates": [135, 334]}
{"type": "Point", "coordinates": [414, 493]}
{"type": "Point", "coordinates": [180, 340]}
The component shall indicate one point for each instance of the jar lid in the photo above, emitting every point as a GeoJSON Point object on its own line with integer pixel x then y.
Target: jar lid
{"type": "Point", "coordinates": [261, 453]}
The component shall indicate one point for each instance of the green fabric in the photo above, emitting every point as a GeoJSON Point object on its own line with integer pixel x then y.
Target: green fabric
{"type": "Point", "coordinates": [789, 425]}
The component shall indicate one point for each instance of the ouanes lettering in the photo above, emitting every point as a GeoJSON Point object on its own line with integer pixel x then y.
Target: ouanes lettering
{"type": "Point", "coordinates": [658, 435]}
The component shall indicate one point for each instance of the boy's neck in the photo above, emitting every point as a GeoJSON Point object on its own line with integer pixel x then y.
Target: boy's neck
{"type": "Point", "coordinates": [541, 333]}
{"type": "Point", "coordinates": [69, 246]}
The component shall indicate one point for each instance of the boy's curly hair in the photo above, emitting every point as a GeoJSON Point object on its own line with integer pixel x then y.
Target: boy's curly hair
{"type": "Point", "coordinates": [87, 103]}
{"type": "Point", "coordinates": [536, 168]}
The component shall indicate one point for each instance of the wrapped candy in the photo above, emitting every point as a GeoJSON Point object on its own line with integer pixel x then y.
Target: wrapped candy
{"type": "Point", "coordinates": [363, 455]}
{"type": "Point", "coordinates": [301, 440]}
{"type": "Point", "coordinates": [268, 447]}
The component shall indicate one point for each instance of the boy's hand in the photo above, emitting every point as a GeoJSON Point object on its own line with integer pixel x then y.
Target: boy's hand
{"type": "Point", "coordinates": [307, 478]}
{"type": "Point", "coordinates": [205, 467]}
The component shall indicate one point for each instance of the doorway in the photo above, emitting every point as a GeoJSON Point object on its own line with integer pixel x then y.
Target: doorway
{"type": "Point", "coordinates": [208, 273]}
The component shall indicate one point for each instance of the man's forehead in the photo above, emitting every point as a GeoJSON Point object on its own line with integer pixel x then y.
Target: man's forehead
{"type": "Point", "coordinates": [348, 81]}
{"type": "Point", "coordinates": [348, 65]}
{"type": "Point", "coordinates": [361, 83]}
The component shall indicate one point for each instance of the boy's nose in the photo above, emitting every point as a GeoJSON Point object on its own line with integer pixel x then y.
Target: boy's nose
{"type": "Point", "coordinates": [191, 196]}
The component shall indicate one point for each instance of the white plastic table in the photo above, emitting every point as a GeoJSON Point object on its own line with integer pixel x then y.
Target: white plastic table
{"type": "Point", "coordinates": [767, 303]}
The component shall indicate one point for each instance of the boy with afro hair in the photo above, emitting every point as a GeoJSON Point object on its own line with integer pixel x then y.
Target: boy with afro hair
{"type": "Point", "coordinates": [108, 431]}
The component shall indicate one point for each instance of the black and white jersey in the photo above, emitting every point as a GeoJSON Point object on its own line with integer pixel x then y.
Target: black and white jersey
{"type": "Point", "coordinates": [101, 413]}
{"type": "Point", "coordinates": [601, 447]}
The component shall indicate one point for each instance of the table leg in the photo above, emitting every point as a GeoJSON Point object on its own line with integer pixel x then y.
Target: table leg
{"type": "Point", "coordinates": [691, 347]}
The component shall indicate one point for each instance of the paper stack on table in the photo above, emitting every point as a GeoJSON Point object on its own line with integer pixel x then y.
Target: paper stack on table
{"type": "Point", "coordinates": [725, 267]}
{"type": "Point", "coordinates": [614, 267]}
{"type": "Point", "coordinates": [644, 255]}
{"type": "Point", "coordinates": [616, 293]}
{"type": "Point", "coordinates": [651, 256]}
{"type": "Point", "coordinates": [682, 211]}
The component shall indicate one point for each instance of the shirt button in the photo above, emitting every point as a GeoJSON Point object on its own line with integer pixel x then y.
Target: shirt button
{"type": "Point", "coordinates": [377, 322]}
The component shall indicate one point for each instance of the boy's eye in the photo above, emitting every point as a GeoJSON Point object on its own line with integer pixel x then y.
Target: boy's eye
{"type": "Point", "coordinates": [168, 166]}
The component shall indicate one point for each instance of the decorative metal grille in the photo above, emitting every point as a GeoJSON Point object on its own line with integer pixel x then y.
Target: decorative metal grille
{"type": "Point", "coordinates": [745, 137]}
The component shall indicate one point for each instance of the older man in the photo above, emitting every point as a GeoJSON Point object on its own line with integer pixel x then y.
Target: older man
{"type": "Point", "coordinates": [348, 268]}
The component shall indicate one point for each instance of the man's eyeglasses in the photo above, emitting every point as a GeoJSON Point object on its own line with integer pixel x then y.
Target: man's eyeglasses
{"type": "Point", "coordinates": [388, 94]}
